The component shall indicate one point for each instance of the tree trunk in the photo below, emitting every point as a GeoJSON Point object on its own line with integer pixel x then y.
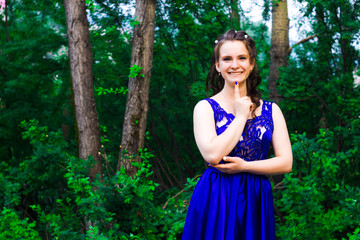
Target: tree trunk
{"type": "Point", "coordinates": [347, 53]}
{"type": "Point", "coordinates": [82, 83]}
{"type": "Point", "coordinates": [235, 16]}
{"type": "Point", "coordinates": [133, 134]}
{"type": "Point", "coordinates": [279, 45]}
{"type": "Point", "coordinates": [6, 20]}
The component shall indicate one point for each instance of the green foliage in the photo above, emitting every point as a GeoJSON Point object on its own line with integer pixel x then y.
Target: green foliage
{"type": "Point", "coordinates": [12, 227]}
{"type": "Point", "coordinates": [111, 48]}
{"type": "Point", "coordinates": [135, 71]}
{"type": "Point", "coordinates": [175, 210]}
{"type": "Point", "coordinates": [317, 199]}
{"type": "Point", "coordinates": [42, 174]}
{"type": "Point", "coordinates": [318, 86]}
{"type": "Point", "coordinates": [312, 201]}
{"type": "Point", "coordinates": [112, 207]}
{"type": "Point", "coordinates": [32, 70]}
{"type": "Point", "coordinates": [134, 22]}
{"type": "Point", "coordinates": [104, 91]}
{"type": "Point", "coordinates": [9, 186]}
{"type": "Point", "coordinates": [354, 236]}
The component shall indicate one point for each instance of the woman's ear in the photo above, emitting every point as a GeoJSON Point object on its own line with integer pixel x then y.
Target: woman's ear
{"type": "Point", "coordinates": [217, 66]}
{"type": "Point", "coordinates": [252, 66]}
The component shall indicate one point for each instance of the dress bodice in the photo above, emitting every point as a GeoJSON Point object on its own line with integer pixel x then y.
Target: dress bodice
{"type": "Point", "coordinates": [257, 135]}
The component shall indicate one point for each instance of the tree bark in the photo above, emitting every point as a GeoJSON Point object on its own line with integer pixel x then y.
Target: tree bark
{"type": "Point", "coordinates": [134, 127]}
{"type": "Point", "coordinates": [6, 20]}
{"type": "Point", "coordinates": [80, 57]}
{"type": "Point", "coordinates": [279, 45]}
{"type": "Point", "coordinates": [235, 16]}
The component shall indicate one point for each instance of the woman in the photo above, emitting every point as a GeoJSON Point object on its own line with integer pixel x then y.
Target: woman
{"type": "Point", "coordinates": [233, 131]}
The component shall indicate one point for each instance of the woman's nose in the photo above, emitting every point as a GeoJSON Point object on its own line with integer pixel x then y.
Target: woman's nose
{"type": "Point", "coordinates": [235, 64]}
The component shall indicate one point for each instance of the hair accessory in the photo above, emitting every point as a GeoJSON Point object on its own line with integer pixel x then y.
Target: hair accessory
{"type": "Point", "coordinates": [216, 41]}
{"type": "Point", "coordinates": [245, 36]}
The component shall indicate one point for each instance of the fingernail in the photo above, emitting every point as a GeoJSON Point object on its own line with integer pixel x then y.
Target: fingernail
{"type": "Point", "coordinates": [235, 83]}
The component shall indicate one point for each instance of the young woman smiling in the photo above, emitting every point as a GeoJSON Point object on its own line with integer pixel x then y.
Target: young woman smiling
{"type": "Point", "coordinates": [234, 129]}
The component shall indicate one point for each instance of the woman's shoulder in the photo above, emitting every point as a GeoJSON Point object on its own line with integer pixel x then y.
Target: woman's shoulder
{"type": "Point", "coordinates": [273, 108]}
{"type": "Point", "coordinates": [270, 104]}
{"type": "Point", "coordinates": [203, 111]}
{"type": "Point", "coordinates": [203, 105]}
{"type": "Point", "coordinates": [207, 102]}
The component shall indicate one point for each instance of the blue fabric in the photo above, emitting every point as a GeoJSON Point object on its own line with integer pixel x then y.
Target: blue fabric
{"type": "Point", "coordinates": [235, 206]}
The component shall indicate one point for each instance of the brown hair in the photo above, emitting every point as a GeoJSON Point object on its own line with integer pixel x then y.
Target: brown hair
{"type": "Point", "coordinates": [216, 82]}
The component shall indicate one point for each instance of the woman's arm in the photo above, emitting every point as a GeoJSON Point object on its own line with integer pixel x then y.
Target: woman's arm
{"type": "Point", "coordinates": [214, 147]}
{"type": "Point", "coordinates": [281, 163]}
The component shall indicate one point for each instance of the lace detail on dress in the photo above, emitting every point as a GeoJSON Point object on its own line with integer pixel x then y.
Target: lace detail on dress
{"type": "Point", "coordinates": [257, 135]}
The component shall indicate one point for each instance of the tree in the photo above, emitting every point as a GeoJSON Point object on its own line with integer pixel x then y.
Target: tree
{"type": "Point", "coordinates": [279, 44]}
{"type": "Point", "coordinates": [28, 72]}
{"type": "Point", "coordinates": [137, 103]}
{"type": "Point", "coordinates": [320, 102]}
{"type": "Point", "coordinates": [80, 57]}
{"type": "Point", "coordinates": [234, 15]}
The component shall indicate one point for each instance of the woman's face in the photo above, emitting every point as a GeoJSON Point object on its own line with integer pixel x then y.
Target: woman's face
{"type": "Point", "coordinates": [234, 62]}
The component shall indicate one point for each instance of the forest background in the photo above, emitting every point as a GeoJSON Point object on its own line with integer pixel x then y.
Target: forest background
{"type": "Point", "coordinates": [50, 191]}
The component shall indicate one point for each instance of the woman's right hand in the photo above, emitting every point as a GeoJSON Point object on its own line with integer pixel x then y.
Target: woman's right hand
{"type": "Point", "coordinates": [243, 104]}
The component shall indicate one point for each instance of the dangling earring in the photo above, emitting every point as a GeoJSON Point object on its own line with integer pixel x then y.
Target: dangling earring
{"type": "Point", "coordinates": [219, 73]}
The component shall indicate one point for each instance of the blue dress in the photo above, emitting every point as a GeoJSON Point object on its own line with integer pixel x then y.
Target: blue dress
{"type": "Point", "coordinates": [235, 206]}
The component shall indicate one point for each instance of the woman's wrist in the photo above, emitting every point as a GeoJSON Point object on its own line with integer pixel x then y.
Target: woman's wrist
{"type": "Point", "coordinates": [241, 118]}
{"type": "Point", "coordinates": [246, 166]}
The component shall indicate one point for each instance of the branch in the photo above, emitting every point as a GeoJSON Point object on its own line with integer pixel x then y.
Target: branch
{"type": "Point", "coordinates": [318, 97]}
{"type": "Point", "coordinates": [301, 41]}
{"type": "Point", "coordinates": [183, 190]}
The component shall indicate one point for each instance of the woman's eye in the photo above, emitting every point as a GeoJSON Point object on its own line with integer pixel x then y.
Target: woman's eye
{"type": "Point", "coordinates": [226, 59]}
{"type": "Point", "coordinates": [242, 58]}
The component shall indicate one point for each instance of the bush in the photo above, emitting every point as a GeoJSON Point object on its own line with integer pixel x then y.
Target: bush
{"type": "Point", "coordinates": [12, 227]}
{"type": "Point", "coordinates": [317, 200]}
{"type": "Point", "coordinates": [67, 205]}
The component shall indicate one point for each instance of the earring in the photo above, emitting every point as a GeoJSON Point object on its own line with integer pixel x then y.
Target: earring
{"type": "Point", "coordinates": [219, 73]}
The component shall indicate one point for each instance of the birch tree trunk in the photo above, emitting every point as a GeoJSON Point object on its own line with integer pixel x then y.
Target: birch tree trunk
{"type": "Point", "coordinates": [80, 57]}
{"type": "Point", "coordinates": [137, 105]}
{"type": "Point", "coordinates": [279, 44]}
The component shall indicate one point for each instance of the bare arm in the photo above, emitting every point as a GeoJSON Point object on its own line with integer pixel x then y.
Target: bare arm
{"type": "Point", "coordinates": [214, 147]}
{"type": "Point", "coordinates": [281, 163]}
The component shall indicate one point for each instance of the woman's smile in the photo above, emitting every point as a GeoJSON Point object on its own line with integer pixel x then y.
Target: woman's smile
{"type": "Point", "coordinates": [234, 62]}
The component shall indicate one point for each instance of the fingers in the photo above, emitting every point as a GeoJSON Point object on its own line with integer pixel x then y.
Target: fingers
{"type": "Point", "coordinates": [237, 91]}
{"type": "Point", "coordinates": [223, 166]}
{"type": "Point", "coordinates": [227, 167]}
{"type": "Point", "coordinates": [230, 159]}
{"type": "Point", "coordinates": [243, 103]}
{"type": "Point", "coordinates": [231, 166]}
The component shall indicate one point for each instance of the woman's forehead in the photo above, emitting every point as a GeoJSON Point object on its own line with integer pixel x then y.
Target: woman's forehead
{"type": "Point", "coordinates": [233, 48]}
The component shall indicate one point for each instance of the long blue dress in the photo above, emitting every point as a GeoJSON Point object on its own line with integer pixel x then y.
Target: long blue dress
{"type": "Point", "coordinates": [235, 206]}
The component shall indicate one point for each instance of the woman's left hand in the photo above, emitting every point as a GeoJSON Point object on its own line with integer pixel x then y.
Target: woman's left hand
{"type": "Point", "coordinates": [232, 165]}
